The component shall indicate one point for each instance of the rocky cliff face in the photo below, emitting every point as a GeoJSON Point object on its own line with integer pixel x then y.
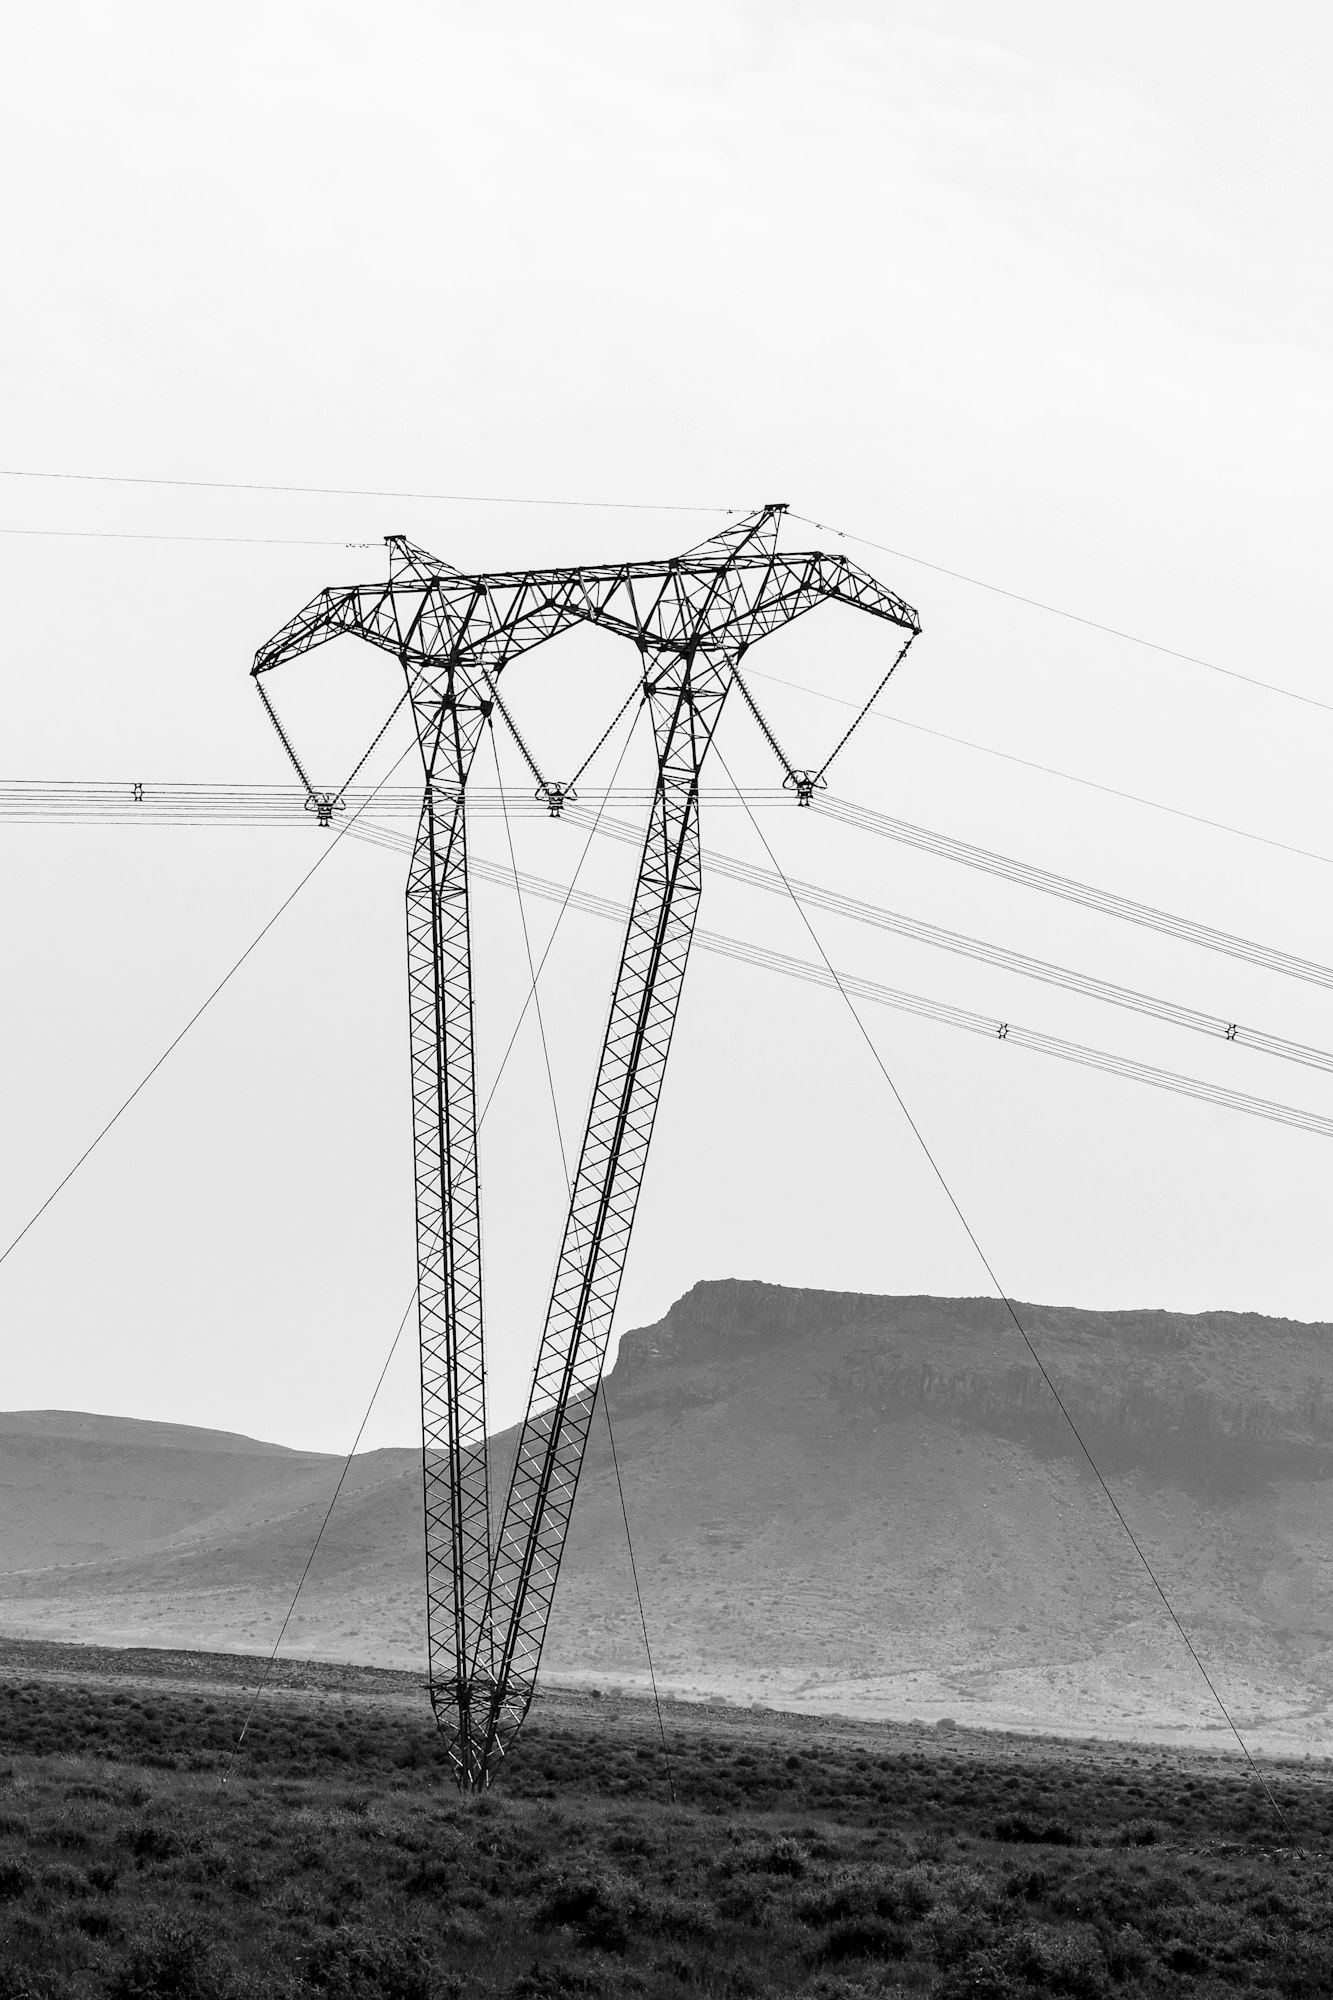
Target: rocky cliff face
{"type": "Point", "coordinates": [1220, 1402]}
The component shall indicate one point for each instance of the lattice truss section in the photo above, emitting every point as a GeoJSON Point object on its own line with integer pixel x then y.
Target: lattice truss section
{"type": "Point", "coordinates": [692, 619]}
{"type": "Point", "coordinates": [453, 635]}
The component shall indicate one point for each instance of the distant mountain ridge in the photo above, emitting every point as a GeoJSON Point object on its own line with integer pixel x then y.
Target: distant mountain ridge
{"type": "Point", "coordinates": [1227, 1399]}
{"type": "Point", "coordinates": [85, 1426]}
{"type": "Point", "coordinates": [838, 1500]}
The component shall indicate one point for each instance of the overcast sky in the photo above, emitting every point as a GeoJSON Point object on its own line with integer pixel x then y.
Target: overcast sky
{"type": "Point", "coordinates": [1035, 293]}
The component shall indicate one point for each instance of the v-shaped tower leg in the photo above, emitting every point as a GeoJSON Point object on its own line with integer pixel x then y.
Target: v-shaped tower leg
{"type": "Point", "coordinates": [453, 1387]}
{"type": "Point", "coordinates": [685, 696]}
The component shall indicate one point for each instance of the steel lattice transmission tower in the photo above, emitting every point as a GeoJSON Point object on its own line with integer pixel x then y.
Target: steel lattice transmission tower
{"type": "Point", "coordinates": [692, 618]}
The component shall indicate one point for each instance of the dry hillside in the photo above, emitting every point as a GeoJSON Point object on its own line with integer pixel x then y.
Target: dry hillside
{"type": "Point", "coordinates": [862, 1503]}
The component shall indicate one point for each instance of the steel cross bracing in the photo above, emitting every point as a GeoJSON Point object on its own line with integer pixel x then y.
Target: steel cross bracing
{"type": "Point", "coordinates": [692, 619]}
{"type": "Point", "coordinates": [454, 636]}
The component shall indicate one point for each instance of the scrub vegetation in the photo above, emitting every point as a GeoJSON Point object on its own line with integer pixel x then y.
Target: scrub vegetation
{"type": "Point", "coordinates": [803, 1856]}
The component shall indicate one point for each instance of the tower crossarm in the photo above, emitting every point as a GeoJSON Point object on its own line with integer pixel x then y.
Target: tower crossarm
{"type": "Point", "coordinates": [453, 634]}
{"type": "Point", "coordinates": [733, 605]}
{"type": "Point", "coordinates": [428, 621]}
{"type": "Point", "coordinates": [731, 602]}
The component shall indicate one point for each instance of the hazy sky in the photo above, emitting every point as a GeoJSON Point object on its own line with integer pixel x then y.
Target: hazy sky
{"type": "Point", "coordinates": [1036, 293]}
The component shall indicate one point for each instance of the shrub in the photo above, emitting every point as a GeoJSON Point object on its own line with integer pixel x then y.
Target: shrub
{"type": "Point", "coordinates": [894, 1894]}
{"type": "Point", "coordinates": [431, 1878]}
{"type": "Point", "coordinates": [1020, 1831]}
{"type": "Point", "coordinates": [679, 1917]}
{"type": "Point", "coordinates": [62, 1881]}
{"type": "Point", "coordinates": [987, 1976]}
{"type": "Point", "coordinates": [369, 1964]}
{"type": "Point", "coordinates": [1126, 1956]}
{"type": "Point", "coordinates": [553, 1982]}
{"type": "Point", "coordinates": [746, 1902]}
{"type": "Point", "coordinates": [16, 1878]}
{"type": "Point", "coordinates": [591, 1908]}
{"type": "Point", "coordinates": [1063, 1961]}
{"type": "Point", "coordinates": [167, 1962]}
{"type": "Point", "coordinates": [20, 1983]}
{"type": "Point", "coordinates": [785, 1857]}
{"type": "Point", "coordinates": [150, 1843]}
{"type": "Point", "coordinates": [1182, 1956]}
{"type": "Point", "coordinates": [956, 1935]}
{"type": "Point", "coordinates": [1038, 1958]}
{"type": "Point", "coordinates": [864, 1937]}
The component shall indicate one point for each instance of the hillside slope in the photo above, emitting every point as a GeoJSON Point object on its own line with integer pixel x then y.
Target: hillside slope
{"type": "Point", "coordinates": [870, 1504]}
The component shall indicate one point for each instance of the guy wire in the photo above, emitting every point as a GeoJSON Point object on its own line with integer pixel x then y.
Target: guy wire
{"type": "Point", "coordinates": [532, 990]}
{"type": "Point", "coordinates": [199, 1011]}
{"type": "Point", "coordinates": [634, 1572]}
{"type": "Point", "coordinates": [532, 970]}
{"type": "Point", "coordinates": [328, 1512]}
{"type": "Point", "coordinates": [1008, 1304]}
{"type": "Point", "coordinates": [569, 1191]}
{"type": "Point", "coordinates": [1074, 617]}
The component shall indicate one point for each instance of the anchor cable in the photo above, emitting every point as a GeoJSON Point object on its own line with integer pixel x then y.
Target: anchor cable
{"type": "Point", "coordinates": [328, 1513]}
{"type": "Point", "coordinates": [1073, 617]}
{"type": "Point", "coordinates": [1009, 1307]}
{"type": "Point", "coordinates": [634, 1572]}
{"type": "Point", "coordinates": [569, 1190]}
{"type": "Point", "coordinates": [532, 989]}
{"type": "Point", "coordinates": [198, 1013]}
{"type": "Point", "coordinates": [532, 969]}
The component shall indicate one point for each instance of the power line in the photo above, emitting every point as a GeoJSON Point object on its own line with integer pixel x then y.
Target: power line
{"type": "Point", "coordinates": [223, 802]}
{"type": "Point", "coordinates": [132, 535]}
{"type": "Point", "coordinates": [366, 493]}
{"type": "Point", "coordinates": [990, 1027]}
{"type": "Point", "coordinates": [76, 801]}
{"type": "Point", "coordinates": [600, 506]}
{"type": "Point", "coordinates": [197, 1015]}
{"type": "Point", "coordinates": [874, 915]}
{"type": "Point", "coordinates": [1105, 902]}
{"type": "Point", "coordinates": [350, 827]}
{"type": "Point", "coordinates": [529, 500]}
{"type": "Point", "coordinates": [1053, 771]}
{"type": "Point", "coordinates": [1074, 617]}
{"type": "Point", "coordinates": [72, 799]}
{"type": "Point", "coordinates": [1008, 1304]}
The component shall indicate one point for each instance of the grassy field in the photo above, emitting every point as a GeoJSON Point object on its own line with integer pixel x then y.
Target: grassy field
{"type": "Point", "coordinates": [803, 1856]}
